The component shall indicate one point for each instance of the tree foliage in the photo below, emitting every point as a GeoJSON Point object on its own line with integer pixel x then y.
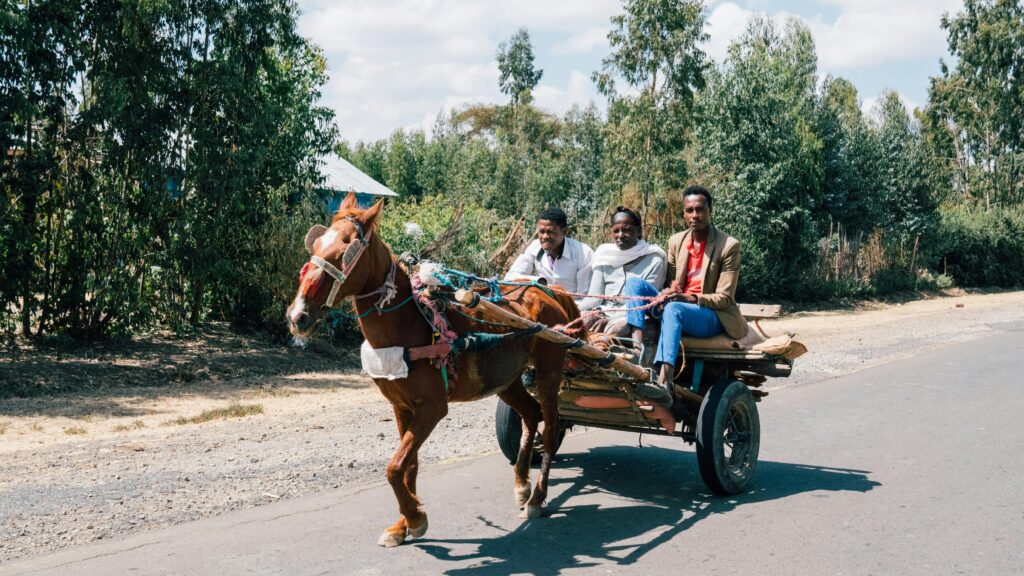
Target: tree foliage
{"type": "Point", "coordinates": [976, 108]}
{"type": "Point", "coordinates": [160, 157]}
{"type": "Point", "coordinates": [517, 76]}
{"type": "Point", "coordinates": [148, 147]}
{"type": "Point", "coordinates": [758, 129]}
{"type": "Point", "coordinates": [656, 54]}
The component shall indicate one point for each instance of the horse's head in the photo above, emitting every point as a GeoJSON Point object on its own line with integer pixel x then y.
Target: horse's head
{"type": "Point", "coordinates": [340, 264]}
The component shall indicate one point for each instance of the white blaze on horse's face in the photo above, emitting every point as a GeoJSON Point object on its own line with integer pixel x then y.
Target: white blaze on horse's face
{"type": "Point", "coordinates": [296, 309]}
{"type": "Point", "coordinates": [328, 238]}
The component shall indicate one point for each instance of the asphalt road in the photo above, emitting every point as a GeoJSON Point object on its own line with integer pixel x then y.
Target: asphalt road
{"type": "Point", "coordinates": [908, 468]}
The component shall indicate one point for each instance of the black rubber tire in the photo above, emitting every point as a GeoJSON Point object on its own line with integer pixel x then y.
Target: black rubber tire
{"type": "Point", "coordinates": [509, 430]}
{"type": "Point", "coordinates": [728, 438]}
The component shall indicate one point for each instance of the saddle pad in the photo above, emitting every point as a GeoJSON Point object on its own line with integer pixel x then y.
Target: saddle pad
{"type": "Point", "coordinates": [782, 345]}
{"type": "Point", "coordinates": [386, 363]}
{"type": "Point", "coordinates": [724, 342]}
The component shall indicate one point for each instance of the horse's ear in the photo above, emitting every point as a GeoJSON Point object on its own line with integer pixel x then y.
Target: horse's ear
{"type": "Point", "coordinates": [311, 236]}
{"type": "Point", "coordinates": [350, 201]}
{"type": "Point", "coordinates": [369, 216]}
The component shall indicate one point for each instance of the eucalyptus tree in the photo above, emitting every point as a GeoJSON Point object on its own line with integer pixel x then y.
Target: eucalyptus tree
{"type": "Point", "coordinates": [517, 76]}
{"type": "Point", "coordinates": [977, 105]}
{"type": "Point", "coordinates": [256, 131]}
{"type": "Point", "coordinates": [41, 55]}
{"type": "Point", "coordinates": [908, 206]}
{"type": "Point", "coordinates": [650, 77]}
{"type": "Point", "coordinates": [850, 158]}
{"type": "Point", "coordinates": [757, 132]}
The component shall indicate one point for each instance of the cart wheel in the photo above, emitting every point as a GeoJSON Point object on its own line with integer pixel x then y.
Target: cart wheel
{"type": "Point", "coordinates": [509, 428]}
{"type": "Point", "coordinates": [728, 438]}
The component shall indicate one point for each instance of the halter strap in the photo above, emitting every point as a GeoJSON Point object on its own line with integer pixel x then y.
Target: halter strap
{"type": "Point", "coordinates": [329, 268]}
{"type": "Point", "coordinates": [340, 275]}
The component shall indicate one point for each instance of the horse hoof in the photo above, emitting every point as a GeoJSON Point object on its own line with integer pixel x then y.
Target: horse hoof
{"type": "Point", "coordinates": [392, 539]}
{"type": "Point", "coordinates": [522, 496]}
{"type": "Point", "coordinates": [418, 531]}
{"type": "Point", "coordinates": [530, 512]}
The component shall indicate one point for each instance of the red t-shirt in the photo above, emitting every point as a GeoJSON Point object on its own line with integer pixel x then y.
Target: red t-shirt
{"type": "Point", "coordinates": [694, 266]}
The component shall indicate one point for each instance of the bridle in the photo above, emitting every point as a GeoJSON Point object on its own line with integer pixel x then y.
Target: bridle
{"type": "Point", "coordinates": [352, 254]}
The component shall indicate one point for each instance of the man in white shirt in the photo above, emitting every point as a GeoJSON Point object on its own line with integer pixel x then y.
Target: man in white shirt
{"type": "Point", "coordinates": [554, 258]}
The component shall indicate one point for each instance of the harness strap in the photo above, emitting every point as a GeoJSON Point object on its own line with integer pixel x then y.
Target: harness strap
{"type": "Point", "coordinates": [338, 275]}
{"type": "Point", "coordinates": [331, 270]}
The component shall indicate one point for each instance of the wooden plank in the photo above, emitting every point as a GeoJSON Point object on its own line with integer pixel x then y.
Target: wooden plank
{"type": "Point", "coordinates": [584, 417]}
{"type": "Point", "coordinates": [493, 312]}
{"type": "Point", "coordinates": [757, 311]}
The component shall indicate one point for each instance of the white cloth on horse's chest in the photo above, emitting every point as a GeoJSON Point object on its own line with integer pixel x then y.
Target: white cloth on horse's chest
{"type": "Point", "coordinates": [384, 362]}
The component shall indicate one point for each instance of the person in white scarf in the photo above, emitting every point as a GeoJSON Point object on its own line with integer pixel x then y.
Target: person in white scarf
{"type": "Point", "coordinates": [615, 262]}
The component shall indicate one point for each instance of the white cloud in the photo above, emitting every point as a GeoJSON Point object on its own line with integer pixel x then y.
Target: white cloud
{"type": "Point", "coordinates": [396, 63]}
{"type": "Point", "coordinates": [580, 90]}
{"type": "Point", "coordinates": [873, 32]}
{"type": "Point", "coordinates": [725, 23]}
{"type": "Point", "coordinates": [865, 33]}
{"type": "Point", "coordinates": [583, 42]}
{"type": "Point", "coordinates": [393, 64]}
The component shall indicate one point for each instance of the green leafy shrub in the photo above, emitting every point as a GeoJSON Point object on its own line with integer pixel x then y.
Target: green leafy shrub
{"type": "Point", "coordinates": [981, 248]}
{"type": "Point", "coordinates": [892, 280]}
{"type": "Point", "coordinates": [470, 250]}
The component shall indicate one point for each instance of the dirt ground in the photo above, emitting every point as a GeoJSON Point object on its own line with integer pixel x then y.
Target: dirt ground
{"type": "Point", "coordinates": [111, 448]}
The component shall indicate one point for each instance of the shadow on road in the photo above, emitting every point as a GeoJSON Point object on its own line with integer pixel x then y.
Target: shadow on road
{"type": "Point", "coordinates": [668, 497]}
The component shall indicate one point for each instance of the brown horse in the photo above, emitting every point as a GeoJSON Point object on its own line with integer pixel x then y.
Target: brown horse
{"type": "Point", "coordinates": [350, 260]}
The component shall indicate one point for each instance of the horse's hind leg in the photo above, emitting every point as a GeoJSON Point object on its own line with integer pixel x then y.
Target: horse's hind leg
{"type": "Point", "coordinates": [402, 469]}
{"type": "Point", "coordinates": [529, 410]}
{"type": "Point", "coordinates": [549, 361]}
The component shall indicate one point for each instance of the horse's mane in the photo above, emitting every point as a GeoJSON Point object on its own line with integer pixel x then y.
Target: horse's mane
{"type": "Point", "coordinates": [566, 302]}
{"type": "Point", "coordinates": [346, 213]}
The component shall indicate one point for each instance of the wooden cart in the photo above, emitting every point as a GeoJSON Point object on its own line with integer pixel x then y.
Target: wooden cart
{"type": "Point", "coordinates": [715, 404]}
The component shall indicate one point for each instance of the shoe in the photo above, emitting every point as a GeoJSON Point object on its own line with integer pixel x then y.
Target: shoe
{"type": "Point", "coordinates": [659, 391]}
{"type": "Point", "coordinates": [665, 380]}
{"type": "Point", "coordinates": [654, 392]}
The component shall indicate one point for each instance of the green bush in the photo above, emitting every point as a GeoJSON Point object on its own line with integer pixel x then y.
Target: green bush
{"type": "Point", "coordinates": [470, 250]}
{"type": "Point", "coordinates": [892, 280]}
{"type": "Point", "coordinates": [981, 247]}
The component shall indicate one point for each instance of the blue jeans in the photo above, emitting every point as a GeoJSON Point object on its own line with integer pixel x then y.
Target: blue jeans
{"type": "Point", "coordinates": [677, 318]}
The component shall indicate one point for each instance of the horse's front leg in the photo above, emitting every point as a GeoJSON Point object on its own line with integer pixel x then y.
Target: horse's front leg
{"type": "Point", "coordinates": [548, 378]}
{"type": "Point", "coordinates": [520, 400]}
{"type": "Point", "coordinates": [401, 473]}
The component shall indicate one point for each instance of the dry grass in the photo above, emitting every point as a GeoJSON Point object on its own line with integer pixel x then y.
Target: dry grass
{"type": "Point", "coordinates": [35, 427]}
{"type": "Point", "coordinates": [233, 410]}
{"type": "Point", "coordinates": [74, 430]}
{"type": "Point", "coordinates": [127, 427]}
{"type": "Point", "coordinates": [278, 392]}
{"type": "Point", "coordinates": [3, 427]}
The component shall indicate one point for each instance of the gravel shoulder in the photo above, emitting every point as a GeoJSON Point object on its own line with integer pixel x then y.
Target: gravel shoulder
{"type": "Point", "coordinates": [106, 457]}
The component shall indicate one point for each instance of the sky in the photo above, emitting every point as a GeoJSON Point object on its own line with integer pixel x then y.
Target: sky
{"type": "Point", "coordinates": [398, 63]}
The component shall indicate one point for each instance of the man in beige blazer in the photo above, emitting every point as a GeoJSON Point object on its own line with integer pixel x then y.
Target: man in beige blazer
{"type": "Point", "coordinates": [700, 296]}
